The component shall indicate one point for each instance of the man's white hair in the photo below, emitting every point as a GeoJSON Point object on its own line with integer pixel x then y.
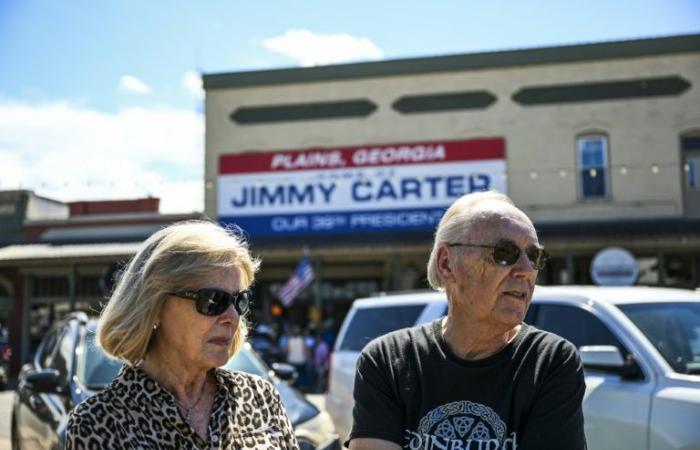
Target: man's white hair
{"type": "Point", "coordinates": [454, 224]}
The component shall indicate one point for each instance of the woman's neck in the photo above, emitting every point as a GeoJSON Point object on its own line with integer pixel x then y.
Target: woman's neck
{"type": "Point", "coordinates": [185, 383]}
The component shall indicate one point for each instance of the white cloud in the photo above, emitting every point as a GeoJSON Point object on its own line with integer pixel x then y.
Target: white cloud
{"type": "Point", "coordinates": [69, 152]}
{"type": "Point", "coordinates": [192, 82]}
{"type": "Point", "coordinates": [311, 49]}
{"type": "Point", "coordinates": [130, 83]}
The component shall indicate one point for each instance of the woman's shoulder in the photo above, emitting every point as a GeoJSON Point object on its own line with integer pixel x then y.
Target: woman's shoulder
{"type": "Point", "coordinates": [238, 378]}
{"type": "Point", "coordinates": [86, 422]}
{"type": "Point", "coordinates": [101, 403]}
{"type": "Point", "coordinates": [245, 381]}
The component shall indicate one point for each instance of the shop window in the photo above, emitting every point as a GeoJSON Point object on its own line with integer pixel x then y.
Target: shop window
{"type": "Point", "coordinates": [592, 161]}
{"type": "Point", "coordinates": [681, 270]}
{"type": "Point", "coordinates": [648, 271]}
{"type": "Point", "coordinates": [88, 286]}
{"type": "Point", "coordinates": [51, 286]}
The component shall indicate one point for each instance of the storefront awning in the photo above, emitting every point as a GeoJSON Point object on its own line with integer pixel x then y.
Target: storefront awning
{"type": "Point", "coordinates": [13, 254]}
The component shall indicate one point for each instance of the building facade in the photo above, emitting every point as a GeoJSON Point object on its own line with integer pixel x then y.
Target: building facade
{"type": "Point", "coordinates": [58, 257]}
{"type": "Point", "coordinates": [598, 143]}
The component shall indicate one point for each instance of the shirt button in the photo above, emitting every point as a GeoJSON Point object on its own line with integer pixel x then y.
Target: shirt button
{"type": "Point", "coordinates": [215, 439]}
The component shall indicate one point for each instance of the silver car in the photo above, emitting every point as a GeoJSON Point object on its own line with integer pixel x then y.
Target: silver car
{"type": "Point", "coordinates": [68, 368]}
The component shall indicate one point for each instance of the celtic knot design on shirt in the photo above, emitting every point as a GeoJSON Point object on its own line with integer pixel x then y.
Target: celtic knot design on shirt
{"type": "Point", "coordinates": [463, 420]}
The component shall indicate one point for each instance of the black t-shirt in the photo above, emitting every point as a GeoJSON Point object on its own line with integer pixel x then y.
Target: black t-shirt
{"type": "Point", "coordinates": [411, 389]}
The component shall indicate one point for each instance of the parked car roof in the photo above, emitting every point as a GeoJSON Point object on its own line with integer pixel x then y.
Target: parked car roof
{"type": "Point", "coordinates": [617, 295]}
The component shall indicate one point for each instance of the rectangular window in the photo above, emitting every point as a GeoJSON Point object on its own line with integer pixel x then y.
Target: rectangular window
{"type": "Point", "coordinates": [692, 174]}
{"type": "Point", "coordinates": [369, 323]}
{"type": "Point", "coordinates": [592, 159]}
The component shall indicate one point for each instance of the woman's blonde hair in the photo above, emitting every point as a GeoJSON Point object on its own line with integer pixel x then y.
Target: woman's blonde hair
{"type": "Point", "coordinates": [169, 259]}
{"type": "Point", "coordinates": [454, 224]}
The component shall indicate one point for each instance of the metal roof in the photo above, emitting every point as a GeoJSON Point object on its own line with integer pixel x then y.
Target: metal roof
{"type": "Point", "coordinates": [473, 61]}
{"type": "Point", "coordinates": [36, 252]}
{"type": "Point", "coordinates": [618, 295]}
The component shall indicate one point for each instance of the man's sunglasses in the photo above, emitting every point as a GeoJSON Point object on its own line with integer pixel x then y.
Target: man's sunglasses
{"type": "Point", "coordinates": [212, 302]}
{"type": "Point", "coordinates": [506, 253]}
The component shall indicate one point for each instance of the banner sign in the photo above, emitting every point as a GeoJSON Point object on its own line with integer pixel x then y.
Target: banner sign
{"type": "Point", "coordinates": [338, 190]}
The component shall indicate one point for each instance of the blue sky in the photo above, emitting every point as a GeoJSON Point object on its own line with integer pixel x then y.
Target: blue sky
{"type": "Point", "coordinates": [100, 99]}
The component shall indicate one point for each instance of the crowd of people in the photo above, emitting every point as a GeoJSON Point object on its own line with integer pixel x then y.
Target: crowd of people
{"type": "Point", "coordinates": [309, 352]}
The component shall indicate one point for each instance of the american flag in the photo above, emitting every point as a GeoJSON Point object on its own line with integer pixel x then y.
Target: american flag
{"type": "Point", "coordinates": [303, 276]}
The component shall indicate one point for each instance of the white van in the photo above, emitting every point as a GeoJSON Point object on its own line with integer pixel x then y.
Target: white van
{"type": "Point", "coordinates": [640, 347]}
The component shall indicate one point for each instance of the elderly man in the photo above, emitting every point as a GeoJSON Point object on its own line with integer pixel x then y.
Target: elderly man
{"type": "Point", "coordinates": [480, 378]}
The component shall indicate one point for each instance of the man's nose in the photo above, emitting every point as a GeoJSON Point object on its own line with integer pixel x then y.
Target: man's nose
{"type": "Point", "coordinates": [524, 266]}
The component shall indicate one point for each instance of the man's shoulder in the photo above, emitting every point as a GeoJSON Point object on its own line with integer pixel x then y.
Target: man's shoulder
{"type": "Point", "coordinates": [399, 340]}
{"type": "Point", "coordinates": [546, 341]}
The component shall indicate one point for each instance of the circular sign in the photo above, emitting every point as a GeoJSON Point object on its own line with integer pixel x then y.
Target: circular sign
{"type": "Point", "coordinates": [614, 266]}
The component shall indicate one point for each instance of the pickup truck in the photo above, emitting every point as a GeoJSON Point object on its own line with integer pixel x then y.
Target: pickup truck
{"type": "Point", "coordinates": [640, 347]}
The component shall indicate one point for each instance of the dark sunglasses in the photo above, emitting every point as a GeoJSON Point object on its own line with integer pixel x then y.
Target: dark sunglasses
{"type": "Point", "coordinates": [506, 253]}
{"type": "Point", "coordinates": [212, 302]}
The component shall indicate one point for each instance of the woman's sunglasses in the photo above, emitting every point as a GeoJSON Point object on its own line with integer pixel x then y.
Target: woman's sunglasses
{"type": "Point", "coordinates": [506, 253]}
{"type": "Point", "coordinates": [212, 302]}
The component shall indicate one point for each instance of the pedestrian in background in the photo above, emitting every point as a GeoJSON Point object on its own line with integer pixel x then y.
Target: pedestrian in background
{"type": "Point", "coordinates": [328, 333]}
{"type": "Point", "coordinates": [176, 315]}
{"type": "Point", "coordinates": [479, 377]}
{"type": "Point", "coordinates": [321, 359]}
{"type": "Point", "coordinates": [298, 356]}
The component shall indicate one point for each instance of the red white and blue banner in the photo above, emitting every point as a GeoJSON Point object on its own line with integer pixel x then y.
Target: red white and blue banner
{"type": "Point", "coordinates": [375, 188]}
{"type": "Point", "coordinates": [302, 276]}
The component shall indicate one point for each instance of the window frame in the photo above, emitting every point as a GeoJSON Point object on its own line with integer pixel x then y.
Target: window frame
{"type": "Point", "coordinates": [580, 140]}
{"type": "Point", "coordinates": [685, 139]}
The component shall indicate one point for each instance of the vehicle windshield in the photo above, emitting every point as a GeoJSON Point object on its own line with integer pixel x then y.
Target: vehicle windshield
{"type": "Point", "coordinates": [246, 361]}
{"type": "Point", "coordinates": [369, 323]}
{"type": "Point", "coordinates": [674, 329]}
{"type": "Point", "coordinates": [95, 369]}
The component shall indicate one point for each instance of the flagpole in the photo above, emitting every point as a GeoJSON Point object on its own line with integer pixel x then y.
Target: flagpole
{"type": "Point", "coordinates": [318, 266]}
{"type": "Point", "coordinates": [301, 278]}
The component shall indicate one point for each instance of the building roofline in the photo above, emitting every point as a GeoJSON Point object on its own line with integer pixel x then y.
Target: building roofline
{"type": "Point", "coordinates": [145, 217]}
{"type": "Point", "coordinates": [688, 43]}
{"type": "Point", "coordinates": [23, 253]}
{"type": "Point", "coordinates": [30, 193]}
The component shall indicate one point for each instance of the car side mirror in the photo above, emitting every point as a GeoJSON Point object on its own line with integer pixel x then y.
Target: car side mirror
{"type": "Point", "coordinates": [45, 380]}
{"type": "Point", "coordinates": [608, 358]}
{"type": "Point", "coordinates": [285, 372]}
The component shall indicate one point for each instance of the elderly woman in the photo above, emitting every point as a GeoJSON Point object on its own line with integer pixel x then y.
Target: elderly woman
{"type": "Point", "coordinates": [176, 315]}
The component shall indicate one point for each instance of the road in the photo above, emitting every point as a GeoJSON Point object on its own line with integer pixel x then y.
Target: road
{"type": "Point", "coordinates": [5, 409]}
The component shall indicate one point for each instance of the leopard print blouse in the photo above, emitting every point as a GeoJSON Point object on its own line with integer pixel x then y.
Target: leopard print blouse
{"type": "Point", "coordinates": [135, 412]}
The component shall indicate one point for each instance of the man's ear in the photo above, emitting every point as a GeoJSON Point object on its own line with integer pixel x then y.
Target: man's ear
{"type": "Point", "coordinates": [444, 263]}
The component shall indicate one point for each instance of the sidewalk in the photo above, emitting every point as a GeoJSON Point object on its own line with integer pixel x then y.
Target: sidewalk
{"type": "Point", "coordinates": [5, 411]}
